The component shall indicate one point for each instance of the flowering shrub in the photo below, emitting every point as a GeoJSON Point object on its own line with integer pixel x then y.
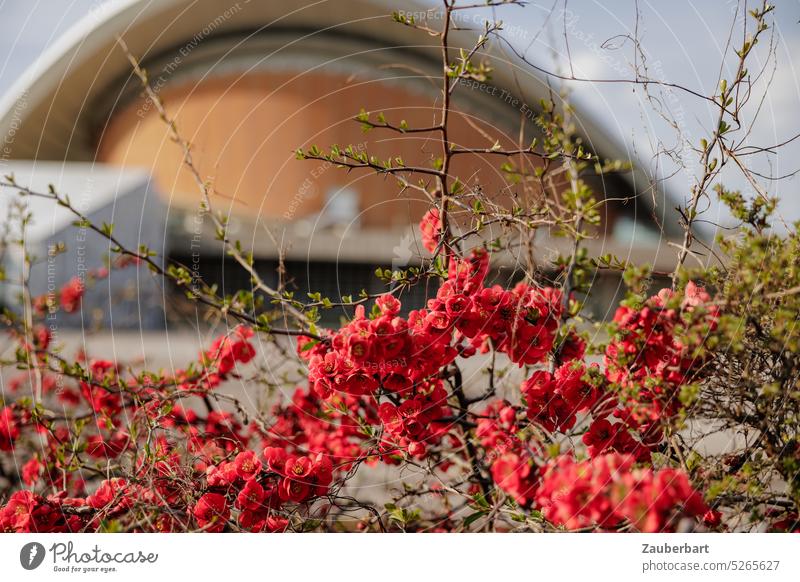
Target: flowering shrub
{"type": "Point", "coordinates": [379, 391]}
{"type": "Point", "coordinates": [493, 407]}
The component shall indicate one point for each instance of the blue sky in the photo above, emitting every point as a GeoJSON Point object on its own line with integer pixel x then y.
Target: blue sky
{"type": "Point", "coordinates": [683, 41]}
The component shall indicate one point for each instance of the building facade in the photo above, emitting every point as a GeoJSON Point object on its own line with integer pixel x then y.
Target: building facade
{"type": "Point", "coordinates": [249, 83]}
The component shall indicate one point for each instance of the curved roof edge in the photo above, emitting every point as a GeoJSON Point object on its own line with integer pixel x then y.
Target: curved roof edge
{"type": "Point", "coordinates": [39, 79]}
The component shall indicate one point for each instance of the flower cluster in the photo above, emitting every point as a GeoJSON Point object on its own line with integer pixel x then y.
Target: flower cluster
{"type": "Point", "coordinates": [608, 492]}
{"type": "Point", "coordinates": [354, 366]}
{"type": "Point", "coordinates": [228, 350]}
{"type": "Point", "coordinates": [302, 477]}
{"type": "Point", "coordinates": [431, 228]}
{"type": "Point", "coordinates": [651, 355]}
{"type": "Point", "coordinates": [554, 400]}
{"type": "Point", "coordinates": [257, 489]}
{"type": "Point", "coordinates": [309, 425]}
{"type": "Point", "coordinates": [509, 458]}
{"type": "Point", "coordinates": [413, 423]}
{"type": "Point", "coordinates": [383, 387]}
{"type": "Point", "coordinates": [26, 512]}
{"type": "Point", "coordinates": [521, 322]}
{"type": "Point", "coordinates": [71, 295]}
{"type": "Point", "coordinates": [605, 436]}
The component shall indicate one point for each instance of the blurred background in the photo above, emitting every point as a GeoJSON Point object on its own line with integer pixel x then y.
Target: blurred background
{"type": "Point", "coordinates": [249, 82]}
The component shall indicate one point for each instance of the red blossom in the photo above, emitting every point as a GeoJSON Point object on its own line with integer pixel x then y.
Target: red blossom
{"type": "Point", "coordinates": [71, 294]}
{"type": "Point", "coordinates": [108, 492]}
{"type": "Point", "coordinates": [9, 429]}
{"type": "Point", "coordinates": [431, 229]}
{"type": "Point", "coordinates": [212, 512]}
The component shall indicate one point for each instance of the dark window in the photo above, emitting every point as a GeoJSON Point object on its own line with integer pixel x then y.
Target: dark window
{"type": "Point", "coordinates": [331, 280]}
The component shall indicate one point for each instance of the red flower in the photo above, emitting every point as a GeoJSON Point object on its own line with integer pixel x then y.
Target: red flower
{"type": "Point", "coordinates": [101, 447]}
{"type": "Point", "coordinates": [305, 477]}
{"type": "Point", "coordinates": [222, 475]}
{"type": "Point", "coordinates": [251, 496]}
{"type": "Point", "coordinates": [390, 417]}
{"type": "Point", "coordinates": [514, 475]}
{"type": "Point", "coordinates": [109, 491]}
{"type": "Point", "coordinates": [31, 471]}
{"type": "Point", "coordinates": [579, 393]}
{"type": "Point", "coordinates": [275, 524]}
{"type": "Point", "coordinates": [9, 429]}
{"type": "Point", "coordinates": [226, 351]}
{"type": "Point", "coordinates": [298, 467]}
{"type": "Point", "coordinates": [359, 345]}
{"type": "Point", "coordinates": [17, 515]}
{"type": "Point", "coordinates": [294, 490]}
{"type": "Point", "coordinates": [389, 304]}
{"type": "Point", "coordinates": [247, 464]}
{"type": "Point", "coordinates": [431, 228]}
{"type": "Point", "coordinates": [457, 305]}
{"type": "Point", "coordinates": [71, 294]}
{"type": "Point", "coordinates": [573, 348]}
{"type": "Point", "coordinates": [600, 436]}
{"type": "Point", "coordinates": [41, 337]}
{"type": "Point", "coordinates": [212, 512]}
{"type": "Point", "coordinates": [712, 518]}
{"type": "Point", "coordinates": [276, 459]}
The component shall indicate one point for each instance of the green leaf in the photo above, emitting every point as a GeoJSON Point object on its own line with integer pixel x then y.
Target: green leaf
{"type": "Point", "coordinates": [470, 519]}
{"type": "Point", "coordinates": [309, 345]}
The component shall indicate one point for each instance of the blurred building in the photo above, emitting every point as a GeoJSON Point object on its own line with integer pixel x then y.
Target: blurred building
{"type": "Point", "coordinates": [249, 82]}
{"type": "Point", "coordinates": [60, 250]}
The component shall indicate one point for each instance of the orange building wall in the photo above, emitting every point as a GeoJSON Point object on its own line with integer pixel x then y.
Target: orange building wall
{"type": "Point", "coordinates": [244, 132]}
